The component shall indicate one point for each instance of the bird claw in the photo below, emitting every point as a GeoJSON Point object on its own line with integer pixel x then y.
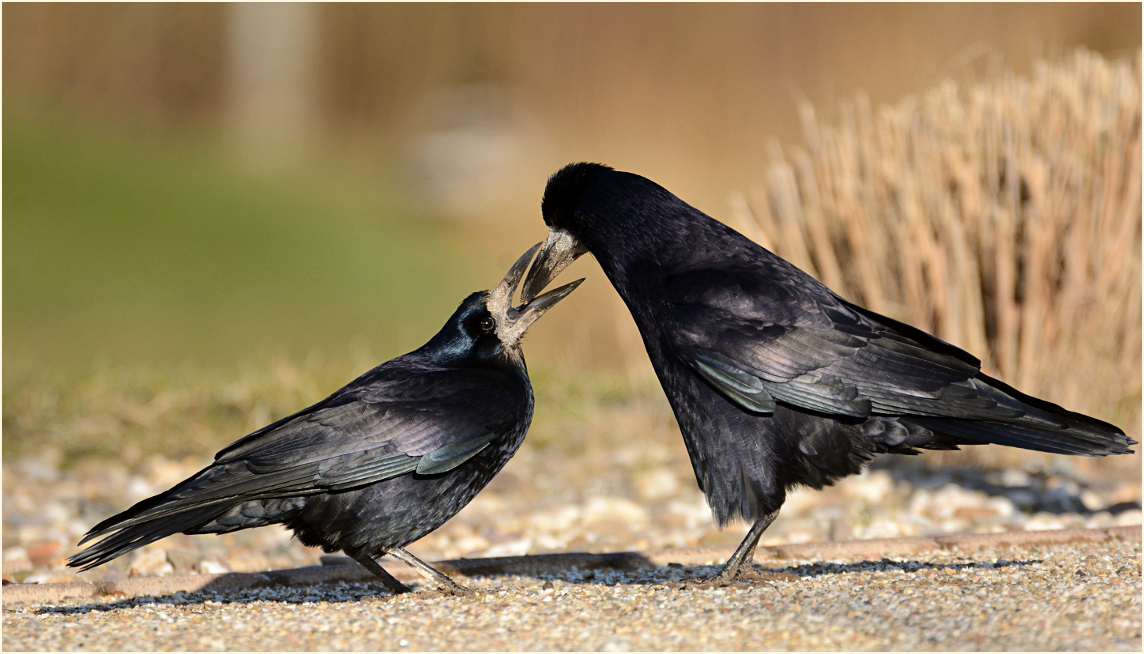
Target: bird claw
{"type": "Point", "coordinates": [744, 577]}
{"type": "Point", "coordinates": [460, 591]}
{"type": "Point", "coordinates": [721, 579]}
{"type": "Point", "coordinates": [454, 589]}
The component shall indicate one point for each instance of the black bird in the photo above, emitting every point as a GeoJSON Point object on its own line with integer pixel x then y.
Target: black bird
{"type": "Point", "coordinates": [375, 466]}
{"type": "Point", "coordinates": [776, 381]}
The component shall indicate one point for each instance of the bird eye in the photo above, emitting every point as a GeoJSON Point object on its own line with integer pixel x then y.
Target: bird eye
{"type": "Point", "coordinates": [487, 325]}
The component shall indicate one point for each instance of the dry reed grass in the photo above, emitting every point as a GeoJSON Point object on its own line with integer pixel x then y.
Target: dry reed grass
{"type": "Point", "coordinates": [1003, 217]}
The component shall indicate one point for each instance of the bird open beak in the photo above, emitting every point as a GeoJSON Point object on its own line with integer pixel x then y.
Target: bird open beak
{"type": "Point", "coordinates": [560, 250]}
{"type": "Point", "coordinates": [531, 312]}
{"type": "Point", "coordinates": [512, 321]}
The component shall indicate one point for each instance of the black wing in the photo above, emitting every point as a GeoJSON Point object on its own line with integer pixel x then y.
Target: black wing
{"type": "Point", "coordinates": [406, 416]}
{"type": "Point", "coordinates": [761, 339]}
{"type": "Point", "coordinates": [761, 342]}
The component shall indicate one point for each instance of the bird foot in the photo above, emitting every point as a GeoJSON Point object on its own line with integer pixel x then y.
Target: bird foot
{"type": "Point", "coordinates": [723, 579]}
{"type": "Point", "coordinates": [435, 592]}
{"type": "Point", "coordinates": [445, 585]}
{"type": "Point", "coordinates": [744, 577]}
{"type": "Point", "coordinates": [456, 590]}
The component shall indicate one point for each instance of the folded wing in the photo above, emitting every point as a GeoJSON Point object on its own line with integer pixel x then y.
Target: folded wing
{"type": "Point", "coordinates": [814, 351]}
{"type": "Point", "coordinates": [398, 419]}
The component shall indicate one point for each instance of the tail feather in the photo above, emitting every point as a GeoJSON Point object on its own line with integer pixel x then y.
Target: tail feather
{"type": "Point", "coordinates": [217, 488]}
{"type": "Point", "coordinates": [193, 506]}
{"type": "Point", "coordinates": [130, 538]}
{"type": "Point", "coordinates": [140, 516]}
{"type": "Point", "coordinates": [1065, 441]}
{"type": "Point", "coordinates": [147, 521]}
{"type": "Point", "coordinates": [1043, 426]}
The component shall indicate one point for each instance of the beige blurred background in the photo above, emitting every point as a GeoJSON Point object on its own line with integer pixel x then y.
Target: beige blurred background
{"type": "Point", "coordinates": [470, 106]}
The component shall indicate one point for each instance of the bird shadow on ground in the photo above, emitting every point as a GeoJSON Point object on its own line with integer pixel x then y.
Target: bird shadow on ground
{"type": "Point", "coordinates": [332, 593]}
{"type": "Point", "coordinates": [692, 576]}
{"type": "Point", "coordinates": [1036, 492]}
{"type": "Point", "coordinates": [908, 567]}
{"type": "Point", "coordinates": [676, 576]}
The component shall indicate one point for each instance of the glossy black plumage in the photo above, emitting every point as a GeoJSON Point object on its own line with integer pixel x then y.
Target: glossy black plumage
{"type": "Point", "coordinates": [775, 380]}
{"type": "Point", "coordinates": [375, 466]}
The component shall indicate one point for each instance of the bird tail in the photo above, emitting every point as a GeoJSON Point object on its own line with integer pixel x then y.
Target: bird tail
{"type": "Point", "coordinates": [148, 521]}
{"type": "Point", "coordinates": [131, 538]}
{"type": "Point", "coordinates": [1030, 424]}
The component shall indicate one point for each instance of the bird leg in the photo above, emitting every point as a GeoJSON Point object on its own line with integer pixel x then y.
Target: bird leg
{"type": "Point", "coordinates": [738, 567]}
{"type": "Point", "coordinates": [391, 582]}
{"type": "Point", "coordinates": [446, 584]}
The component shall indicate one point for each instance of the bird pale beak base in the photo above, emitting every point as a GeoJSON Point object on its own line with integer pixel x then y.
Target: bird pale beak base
{"type": "Point", "coordinates": [512, 321]}
{"type": "Point", "coordinates": [560, 250]}
{"type": "Point", "coordinates": [500, 299]}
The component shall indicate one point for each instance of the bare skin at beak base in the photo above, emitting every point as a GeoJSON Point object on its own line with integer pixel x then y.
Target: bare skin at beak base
{"type": "Point", "coordinates": [512, 321]}
{"type": "Point", "coordinates": [560, 250]}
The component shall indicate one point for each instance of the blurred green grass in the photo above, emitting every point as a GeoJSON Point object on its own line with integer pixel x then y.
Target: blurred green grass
{"type": "Point", "coordinates": [149, 276]}
{"type": "Point", "coordinates": [164, 250]}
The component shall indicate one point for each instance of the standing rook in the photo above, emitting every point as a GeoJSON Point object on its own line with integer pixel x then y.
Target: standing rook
{"type": "Point", "coordinates": [378, 464]}
{"type": "Point", "coordinates": [775, 381]}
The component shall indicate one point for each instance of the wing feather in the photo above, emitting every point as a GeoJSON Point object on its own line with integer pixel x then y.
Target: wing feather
{"type": "Point", "coordinates": [818, 353]}
{"type": "Point", "coordinates": [402, 417]}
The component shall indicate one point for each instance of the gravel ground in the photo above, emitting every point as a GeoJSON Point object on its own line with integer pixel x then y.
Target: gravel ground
{"type": "Point", "coordinates": [579, 495]}
{"type": "Point", "coordinates": [1067, 597]}
{"type": "Point", "coordinates": [628, 498]}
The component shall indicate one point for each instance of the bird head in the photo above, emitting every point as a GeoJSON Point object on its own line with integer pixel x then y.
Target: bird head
{"type": "Point", "coordinates": [565, 241]}
{"type": "Point", "coordinates": [487, 325]}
